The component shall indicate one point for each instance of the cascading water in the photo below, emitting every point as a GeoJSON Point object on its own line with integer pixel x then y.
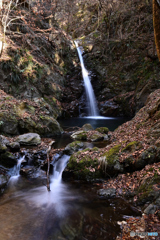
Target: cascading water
{"type": "Point", "coordinates": [16, 169]}
{"type": "Point", "coordinates": [92, 105]}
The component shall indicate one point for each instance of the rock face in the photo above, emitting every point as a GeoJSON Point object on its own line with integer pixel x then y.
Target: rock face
{"type": "Point", "coordinates": [29, 139]}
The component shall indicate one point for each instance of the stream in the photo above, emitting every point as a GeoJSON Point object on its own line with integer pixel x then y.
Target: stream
{"type": "Point", "coordinates": [71, 210]}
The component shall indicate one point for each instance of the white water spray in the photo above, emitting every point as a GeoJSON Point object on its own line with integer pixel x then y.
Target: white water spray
{"type": "Point", "coordinates": [92, 105]}
{"type": "Point", "coordinates": [15, 171]}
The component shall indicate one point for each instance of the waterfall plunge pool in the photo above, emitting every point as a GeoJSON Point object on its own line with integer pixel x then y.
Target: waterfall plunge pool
{"type": "Point", "coordinates": [96, 121]}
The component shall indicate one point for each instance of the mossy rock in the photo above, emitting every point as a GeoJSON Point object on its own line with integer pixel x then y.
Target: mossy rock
{"type": "Point", "coordinates": [112, 155]}
{"type": "Point", "coordinates": [103, 130]}
{"type": "Point", "coordinates": [29, 139]}
{"type": "Point", "coordinates": [8, 160]}
{"type": "Point", "coordinates": [10, 123]}
{"type": "Point", "coordinates": [87, 127]}
{"type": "Point", "coordinates": [84, 168]}
{"type": "Point", "coordinates": [48, 126]}
{"type": "Point", "coordinates": [132, 146]}
{"type": "Point", "coordinates": [96, 137]}
{"type": "Point", "coordinates": [25, 107]}
{"type": "Point", "coordinates": [73, 147]}
{"type": "Point", "coordinates": [26, 125]}
{"type": "Point", "coordinates": [79, 135]}
{"type": "Point", "coordinates": [146, 191]}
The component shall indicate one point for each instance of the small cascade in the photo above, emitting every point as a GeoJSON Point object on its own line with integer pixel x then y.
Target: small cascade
{"type": "Point", "coordinates": [92, 104]}
{"type": "Point", "coordinates": [59, 166]}
{"type": "Point", "coordinates": [16, 169]}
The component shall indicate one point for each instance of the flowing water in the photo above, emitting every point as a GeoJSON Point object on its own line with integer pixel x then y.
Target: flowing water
{"type": "Point", "coordinates": [70, 211]}
{"type": "Point", "coordinates": [91, 100]}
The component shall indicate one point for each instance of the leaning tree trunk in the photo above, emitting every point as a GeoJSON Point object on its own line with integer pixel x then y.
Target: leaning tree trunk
{"type": "Point", "coordinates": [156, 24]}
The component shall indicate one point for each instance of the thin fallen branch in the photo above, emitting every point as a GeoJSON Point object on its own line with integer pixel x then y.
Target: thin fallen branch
{"type": "Point", "coordinates": [48, 151]}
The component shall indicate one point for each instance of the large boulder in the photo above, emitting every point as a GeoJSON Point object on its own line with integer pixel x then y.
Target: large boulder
{"type": "Point", "coordinates": [29, 139]}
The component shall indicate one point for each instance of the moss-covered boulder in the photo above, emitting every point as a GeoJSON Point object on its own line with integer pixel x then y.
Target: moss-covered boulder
{"type": "Point", "coordinates": [74, 147]}
{"type": "Point", "coordinates": [109, 161]}
{"type": "Point", "coordinates": [103, 130]}
{"type": "Point", "coordinates": [79, 135]}
{"type": "Point", "coordinates": [96, 137]}
{"type": "Point", "coordinates": [29, 139]}
{"type": "Point", "coordinates": [48, 126]}
{"type": "Point", "coordinates": [8, 160]}
{"type": "Point", "coordinates": [146, 192]}
{"type": "Point", "coordinates": [132, 146]}
{"type": "Point", "coordinates": [82, 166]}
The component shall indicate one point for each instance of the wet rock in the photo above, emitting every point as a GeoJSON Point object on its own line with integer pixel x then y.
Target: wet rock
{"type": "Point", "coordinates": [73, 147]}
{"type": "Point", "coordinates": [110, 192]}
{"type": "Point", "coordinates": [3, 181]}
{"type": "Point", "coordinates": [29, 139]}
{"type": "Point", "coordinates": [71, 227]}
{"type": "Point", "coordinates": [79, 135]}
{"type": "Point", "coordinates": [151, 209]}
{"type": "Point", "coordinates": [96, 137]}
{"type": "Point", "coordinates": [103, 130]}
{"type": "Point", "coordinates": [32, 172]}
{"type": "Point", "coordinates": [8, 160]}
{"type": "Point", "coordinates": [87, 127]}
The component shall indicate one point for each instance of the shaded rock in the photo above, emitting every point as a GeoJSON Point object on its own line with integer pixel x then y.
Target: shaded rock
{"type": "Point", "coordinates": [29, 139]}
{"type": "Point", "coordinates": [151, 209]}
{"type": "Point", "coordinates": [4, 140]}
{"type": "Point", "coordinates": [10, 124]}
{"type": "Point", "coordinates": [32, 172]}
{"type": "Point", "coordinates": [14, 146]}
{"type": "Point", "coordinates": [8, 160]}
{"type": "Point", "coordinates": [73, 147]}
{"type": "Point", "coordinates": [87, 127]}
{"type": "Point", "coordinates": [79, 135]}
{"type": "Point", "coordinates": [3, 180]}
{"type": "Point", "coordinates": [96, 137]}
{"type": "Point", "coordinates": [110, 192]}
{"type": "Point", "coordinates": [110, 108]}
{"type": "Point", "coordinates": [3, 148]}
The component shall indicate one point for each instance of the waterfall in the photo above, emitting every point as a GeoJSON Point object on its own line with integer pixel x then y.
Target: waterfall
{"type": "Point", "coordinates": [59, 166]}
{"type": "Point", "coordinates": [14, 172]}
{"type": "Point", "coordinates": [92, 105]}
